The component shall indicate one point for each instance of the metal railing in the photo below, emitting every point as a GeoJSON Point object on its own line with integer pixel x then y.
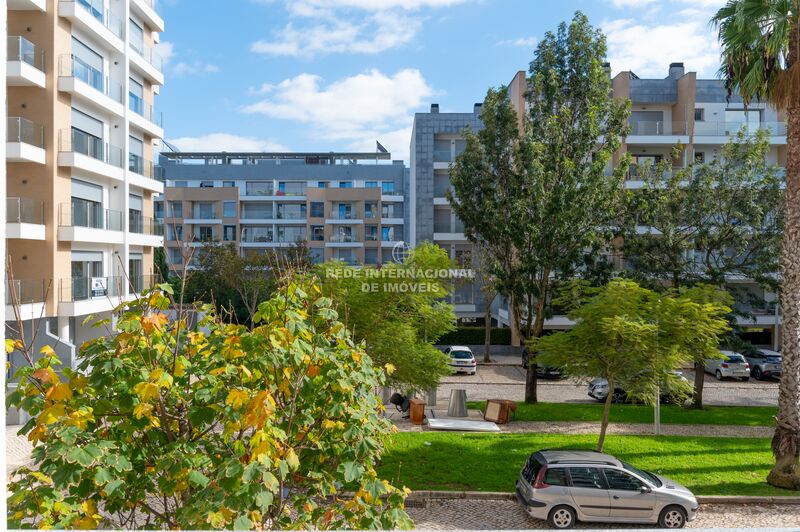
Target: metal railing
{"type": "Point", "coordinates": [25, 211]}
{"type": "Point", "coordinates": [290, 215]}
{"type": "Point", "coordinates": [657, 128]}
{"type": "Point", "coordinates": [23, 50]}
{"type": "Point", "coordinates": [98, 11]}
{"type": "Point", "coordinates": [75, 140]}
{"type": "Point", "coordinates": [142, 108]}
{"type": "Point", "coordinates": [84, 288]}
{"type": "Point", "coordinates": [24, 291]}
{"type": "Point", "coordinates": [25, 131]}
{"type": "Point", "coordinates": [144, 225]}
{"type": "Point", "coordinates": [143, 167]}
{"type": "Point", "coordinates": [71, 66]}
{"type": "Point", "coordinates": [93, 217]}
{"type": "Point", "coordinates": [139, 283]}
{"type": "Point", "coordinates": [706, 129]}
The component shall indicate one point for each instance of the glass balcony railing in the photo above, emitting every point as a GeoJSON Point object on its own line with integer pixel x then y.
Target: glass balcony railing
{"type": "Point", "coordinates": [657, 128]}
{"type": "Point", "coordinates": [77, 141]}
{"type": "Point", "coordinates": [91, 216]}
{"type": "Point", "coordinates": [141, 166]}
{"type": "Point", "coordinates": [142, 108]}
{"type": "Point", "coordinates": [144, 225]}
{"type": "Point", "coordinates": [344, 215]}
{"type": "Point", "coordinates": [25, 291]}
{"type": "Point", "coordinates": [149, 54]}
{"type": "Point", "coordinates": [24, 131]}
{"type": "Point", "coordinates": [291, 215]}
{"type": "Point", "coordinates": [722, 129]}
{"type": "Point", "coordinates": [343, 238]}
{"type": "Point", "coordinates": [84, 288]}
{"type": "Point", "coordinates": [24, 211]}
{"type": "Point", "coordinates": [23, 50]}
{"type": "Point", "coordinates": [442, 156]}
{"type": "Point", "coordinates": [71, 66]}
{"type": "Point", "coordinates": [204, 214]}
{"type": "Point", "coordinates": [96, 8]}
{"type": "Point", "coordinates": [139, 283]}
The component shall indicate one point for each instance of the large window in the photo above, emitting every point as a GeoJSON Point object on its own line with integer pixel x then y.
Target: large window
{"type": "Point", "coordinates": [205, 233]}
{"type": "Point", "coordinates": [174, 209]}
{"type": "Point", "coordinates": [136, 156]}
{"type": "Point", "coordinates": [318, 232]}
{"type": "Point", "coordinates": [387, 187]}
{"type": "Point", "coordinates": [87, 135]}
{"type": "Point", "coordinates": [87, 205]}
{"type": "Point", "coordinates": [204, 210]}
{"type": "Point", "coordinates": [135, 219]}
{"type": "Point", "coordinates": [229, 209]}
{"type": "Point", "coordinates": [136, 97]}
{"type": "Point", "coordinates": [257, 233]}
{"type": "Point", "coordinates": [87, 65]}
{"type": "Point", "coordinates": [258, 188]}
{"type": "Point", "coordinates": [291, 211]}
{"type": "Point", "coordinates": [136, 37]}
{"type": "Point", "coordinates": [291, 234]}
{"type": "Point", "coordinates": [229, 233]}
{"type": "Point", "coordinates": [87, 275]}
{"type": "Point", "coordinates": [317, 209]}
{"type": "Point", "coordinates": [256, 211]}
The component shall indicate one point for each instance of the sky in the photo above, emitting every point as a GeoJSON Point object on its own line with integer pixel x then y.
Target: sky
{"type": "Point", "coordinates": [337, 75]}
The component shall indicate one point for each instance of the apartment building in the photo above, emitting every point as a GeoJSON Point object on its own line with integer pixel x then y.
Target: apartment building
{"type": "Point", "coordinates": [345, 206]}
{"type": "Point", "coordinates": [678, 108]}
{"type": "Point", "coordinates": [81, 78]}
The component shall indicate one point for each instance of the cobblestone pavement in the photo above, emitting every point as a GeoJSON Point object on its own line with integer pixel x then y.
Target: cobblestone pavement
{"type": "Point", "coordinates": [507, 515]}
{"type": "Point", "coordinates": [507, 381]}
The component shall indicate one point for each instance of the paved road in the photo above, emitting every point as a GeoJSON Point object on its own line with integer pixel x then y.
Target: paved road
{"type": "Point", "coordinates": [508, 382]}
{"type": "Point", "coordinates": [507, 515]}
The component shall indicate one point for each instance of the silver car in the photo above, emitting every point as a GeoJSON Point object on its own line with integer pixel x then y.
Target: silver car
{"type": "Point", "coordinates": [763, 363]}
{"type": "Point", "coordinates": [565, 486]}
{"type": "Point", "coordinates": [731, 365]}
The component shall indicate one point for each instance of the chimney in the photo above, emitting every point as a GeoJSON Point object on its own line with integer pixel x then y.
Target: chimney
{"type": "Point", "coordinates": [477, 107]}
{"type": "Point", "coordinates": [675, 70]}
{"type": "Point", "coordinates": [435, 108]}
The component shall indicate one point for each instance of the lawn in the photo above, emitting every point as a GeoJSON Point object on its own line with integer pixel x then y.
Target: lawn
{"type": "Point", "coordinates": [623, 413]}
{"type": "Point", "coordinates": [491, 462]}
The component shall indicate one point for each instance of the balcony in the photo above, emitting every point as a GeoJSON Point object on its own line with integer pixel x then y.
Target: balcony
{"type": "Point", "coordinates": [344, 240]}
{"type": "Point", "coordinates": [145, 174]}
{"type": "Point", "coordinates": [290, 217]}
{"type": "Point", "coordinates": [26, 296]}
{"type": "Point", "coordinates": [78, 296]}
{"type": "Point", "coordinates": [720, 132]}
{"type": "Point", "coordinates": [145, 231]}
{"type": "Point", "coordinates": [90, 85]}
{"type": "Point", "coordinates": [144, 117]}
{"type": "Point", "coordinates": [24, 141]}
{"type": "Point", "coordinates": [80, 223]}
{"type": "Point", "coordinates": [349, 217]}
{"type": "Point", "coordinates": [25, 219]}
{"type": "Point", "coordinates": [82, 151]}
{"type": "Point", "coordinates": [202, 217]}
{"type": "Point", "coordinates": [92, 17]}
{"type": "Point", "coordinates": [27, 5]}
{"type": "Point", "coordinates": [147, 10]}
{"type": "Point", "coordinates": [25, 63]}
{"type": "Point", "coordinates": [658, 132]}
{"type": "Point", "coordinates": [145, 61]}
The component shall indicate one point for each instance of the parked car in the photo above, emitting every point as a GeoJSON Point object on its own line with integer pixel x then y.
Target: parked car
{"type": "Point", "coordinates": [461, 359]}
{"type": "Point", "coordinates": [598, 389]}
{"type": "Point", "coordinates": [732, 365]}
{"type": "Point", "coordinates": [543, 372]}
{"type": "Point", "coordinates": [763, 363]}
{"type": "Point", "coordinates": [565, 486]}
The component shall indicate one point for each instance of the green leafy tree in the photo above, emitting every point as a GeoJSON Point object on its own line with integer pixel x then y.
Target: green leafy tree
{"type": "Point", "coordinates": [568, 200]}
{"type": "Point", "coordinates": [761, 61]}
{"type": "Point", "coordinates": [707, 223]}
{"type": "Point", "coordinates": [398, 316]}
{"type": "Point", "coordinates": [161, 266]}
{"type": "Point", "coordinates": [216, 426]}
{"type": "Point", "coordinates": [633, 337]}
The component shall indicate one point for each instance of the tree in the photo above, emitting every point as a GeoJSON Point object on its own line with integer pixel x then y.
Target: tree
{"type": "Point", "coordinates": [633, 337]}
{"type": "Point", "coordinates": [398, 312]}
{"type": "Point", "coordinates": [707, 223]}
{"type": "Point", "coordinates": [161, 266]}
{"type": "Point", "coordinates": [569, 200]}
{"type": "Point", "coordinates": [215, 426]}
{"type": "Point", "coordinates": [761, 60]}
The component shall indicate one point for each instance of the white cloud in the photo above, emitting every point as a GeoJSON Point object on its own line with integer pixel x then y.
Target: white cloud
{"type": "Point", "coordinates": [632, 3]}
{"type": "Point", "coordinates": [528, 42]}
{"type": "Point", "coordinates": [197, 67]}
{"type": "Point", "coordinates": [226, 142]}
{"type": "Point", "coordinates": [349, 26]}
{"type": "Point", "coordinates": [165, 50]}
{"type": "Point", "coordinates": [397, 142]}
{"type": "Point", "coordinates": [358, 109]}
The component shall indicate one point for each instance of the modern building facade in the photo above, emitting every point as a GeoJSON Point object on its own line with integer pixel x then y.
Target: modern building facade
{"type": "Point", "coordinates": [81, 78]}
{"type": "Point", "coordinates": [344, 206]}
{"type": "Point", "coordinates": [664, 112]}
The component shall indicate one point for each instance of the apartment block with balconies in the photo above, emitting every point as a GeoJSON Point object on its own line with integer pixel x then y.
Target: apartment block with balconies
{"type": "Point", "coordinates": [81, 84]}
{"type": "Point", "coordinates": [343, 206]}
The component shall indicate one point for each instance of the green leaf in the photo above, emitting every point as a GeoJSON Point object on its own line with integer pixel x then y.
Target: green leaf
{"type": "Point", "coordinates": [270, 481]}
{"type": "Point", "coordinates": [352, 471]}
{"type": "Point", "coordinates": [102, 476]}
{"type": "Point", "coordinates": [264, 500]}
{"type": "Point", "coordinates": [242, 523]}
{"type": "Point", "coordinates": [166, 287]}
{"type": "Point", "coordinates": [198, 479]}
{"type": "Point", "coordinates": [113, 486]}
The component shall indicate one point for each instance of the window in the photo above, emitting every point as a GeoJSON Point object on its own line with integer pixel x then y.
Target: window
{"type": "Point", "coordinates": [181, 184]}
{"type": "Point", "coordinates": [175, 256]}
{"type": "Point", "coordinates": [158, 209]}
{"type": "Point", "coordinates": [291, 211]}
{"type": "Point", "coordinates": [87, 65]}
{"type": "Point", "coordinates": [371, 184]}
{"type": "Point", "coordinates": [387, 187]}
{"type": "Point", "coordinates": [205, 233]}
{"type": "Point", "coordinates": [317, 209]}
{"type": "Point", "coordinates": [229, 209]}
{"type": "Point", "coordinates": [318, 232]}
{"type": "Point", "coordinates": [370, 233]}
{"type": "Point", "coordinates": [87, 136]}
{"type": "Point", "coordinates": [619, 480]}
{"type": "Point", "coordinates": [228, 184]}
{"type": "Point", "coordinates": [136, 97]}
{"type": "Point", "coordinates": [206, 184]}
{"type": "Point", "coordinates": [322, 184]}
{"type": "Point", "coordinates": [345, 211]}
{"type": "Point", "coordinates": [699, 115]}
{"type": "Point", "coordinates": [204, 210]}
{"type": "Point", "coordinates": [229, 233]}
{"type": "Point", "coordinates": [586, 477]}
{"type": "Point", "coordinates": [135, 219]}
{"type": "Point", "coordinates": [556, 476]}
{"type": "Point", "coordinates": [256, 211]}
{"type": "Point", "coordinates": [258, 188]}
{"type": "Point", "coordinates": [87, 205]}
{"type": "Point", "coordinates": [137, 37]}
{"type": "Point", "coordinates": [136, 156]}
{"type": "Point", "coordinates": [370, 210]}
{"type": "Point", "coordinates": [317, 255]}
{"type": "Point", "coordinates": [699, 157]}
{"type": "Point", "coordinates": [345, 184]}
{"type": "Point", "coordinates": [174, 232]}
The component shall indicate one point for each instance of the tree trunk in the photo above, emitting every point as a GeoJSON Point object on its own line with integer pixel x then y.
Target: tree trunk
{"type": "Point", "coordinates": [786, 441]}
{"type": "Point", "coordinates": [606, 412]}
{"type": "Point", "coordinates": [531, 378]}
{"type": "Point", "coordinates": [699, 380]}
{"type": "Point", "coordinates": [487, 316]}
{"type": "Point", "coordinates": [514, 322]}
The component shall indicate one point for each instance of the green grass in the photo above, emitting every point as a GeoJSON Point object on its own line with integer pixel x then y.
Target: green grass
{"type": "Point", "coordinates": [623, 413]}
{"type": "Point", "coordinates": [491, 462]}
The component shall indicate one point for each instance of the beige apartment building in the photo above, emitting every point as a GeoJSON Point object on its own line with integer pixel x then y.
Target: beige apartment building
{"type": "Point", "coordinates": [81, 77]}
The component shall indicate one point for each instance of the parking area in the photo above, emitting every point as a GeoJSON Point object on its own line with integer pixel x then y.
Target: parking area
{"type": "Point", "coordinates": [507, 381]}
{"type": "Point", "coordinates": [451, 514]}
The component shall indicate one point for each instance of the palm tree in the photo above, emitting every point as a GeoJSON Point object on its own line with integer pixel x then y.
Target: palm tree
{"type": "Point", "coordinates": [761, 61]}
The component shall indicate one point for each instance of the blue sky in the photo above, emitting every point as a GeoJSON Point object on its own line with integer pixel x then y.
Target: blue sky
{"type": "Point", "coordinates": [326, 75]}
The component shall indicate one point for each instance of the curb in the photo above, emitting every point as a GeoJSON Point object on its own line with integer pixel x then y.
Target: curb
{"type": "Point", "coordinates": [428, 495]}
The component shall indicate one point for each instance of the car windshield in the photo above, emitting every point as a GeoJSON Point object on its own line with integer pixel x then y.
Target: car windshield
{"type": "Point", "coordinates": [644, 474]}
{"type": "Point", "coordinates": [735, 358]}
{"type": "Point", "coordinates": [460, 354]}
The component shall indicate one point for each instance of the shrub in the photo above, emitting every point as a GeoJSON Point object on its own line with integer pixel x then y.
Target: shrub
{"type": "Point", "coordinates": [476, 336]}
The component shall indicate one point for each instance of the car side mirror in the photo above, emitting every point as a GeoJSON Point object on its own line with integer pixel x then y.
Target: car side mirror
{"type": "Point", "coordinates": [645, 489]}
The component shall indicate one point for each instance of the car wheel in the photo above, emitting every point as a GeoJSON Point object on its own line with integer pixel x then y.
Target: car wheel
{"type": "Point", "coordinates": [561, 517]}
{"type": "Point", "coordinates": [672, 517]}
{"type": "Point", "coordinates": [757, 375]}
{"type": "Point", "coordinates": [718, 375]}
{"type": "Point", "coordinates": [619, 397]}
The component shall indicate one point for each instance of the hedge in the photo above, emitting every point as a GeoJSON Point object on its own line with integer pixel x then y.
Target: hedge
{"type": "Point", "coordinates": [475, 336]}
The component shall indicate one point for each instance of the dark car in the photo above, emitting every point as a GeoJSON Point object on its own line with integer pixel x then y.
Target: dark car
{"type": "Point", "coordinates": [543, 372]}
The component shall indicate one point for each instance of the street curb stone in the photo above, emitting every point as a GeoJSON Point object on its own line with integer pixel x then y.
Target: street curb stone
{"type": "Point", "coordinates": [503, 496]}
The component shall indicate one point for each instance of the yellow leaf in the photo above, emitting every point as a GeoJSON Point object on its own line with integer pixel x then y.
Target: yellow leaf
{"type": "Point", "coordinates": [59, 392]}
{"type": "Point", "coordinates": [37, 434]}
{"type": "Point", "coordinates": [142, 410]}
{"type": "Point", "coordinates": [52, 414]}
{"type": "Point", "coordinates": [45, 375]}
{"type": "Point", "coordinates": [180, 369]}
{"type": "Point", "coordinates": [389, 368]}
{"type": "Point", "coordinates": [79, 383]}
{"type": "Point", "coordinates": [146, 391]}
{"type": "Point", "coordinates": [236, 398]}
{"type": "Point", "coordinates": [356, 356]}
{"type": "Point", "coordinates": [10, 346]}
{"type": "Point", "coordinates": [313, 371]}
{"type": "Point", "coordinates": [47, 351]}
